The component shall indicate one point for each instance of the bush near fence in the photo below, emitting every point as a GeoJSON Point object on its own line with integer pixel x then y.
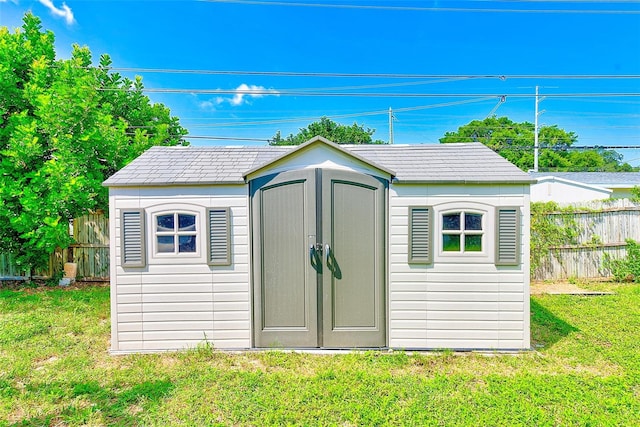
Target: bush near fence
{"type": "Point", "coordinates": [90, 251]}
{"type": "Point", "coordinates": [603, 228]}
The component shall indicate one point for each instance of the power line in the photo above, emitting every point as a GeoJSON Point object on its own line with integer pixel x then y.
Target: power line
{"type": "Point", "coordinates": [375, 75]}
{"type": "Point", "coordinates": [426, 8]}
{"type": "Point", "coordinates": [285, 92]}
{"type": "Point", "coordinates": [225, 138]}
{"type": "Point", "coordinates": [330, 116]}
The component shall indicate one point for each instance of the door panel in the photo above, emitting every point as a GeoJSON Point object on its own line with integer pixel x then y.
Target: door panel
{"type": "Point", "coordinates": [353, 285]}
{"type": "Point", "coordinates": [285, 299]}
{"type": "Point", "coordinates": [311, 297]}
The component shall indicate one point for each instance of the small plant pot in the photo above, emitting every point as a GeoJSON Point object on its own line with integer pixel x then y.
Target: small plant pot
{"type": "Point", "coordinates": [70, 270]}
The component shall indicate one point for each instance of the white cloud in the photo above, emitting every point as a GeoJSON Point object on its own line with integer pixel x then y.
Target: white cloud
{"type": "Point", "coordinates": [211, 104]}
{"type": "Point", "coordinates": [243, 91]}
{"type": "Point", "coordinates": [241, 95]}
{"type": "Point", "coordinates": [63, 12]}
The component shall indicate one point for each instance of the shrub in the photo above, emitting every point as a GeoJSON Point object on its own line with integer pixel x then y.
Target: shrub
{"type": "Point", "coordinates": [626, 269]}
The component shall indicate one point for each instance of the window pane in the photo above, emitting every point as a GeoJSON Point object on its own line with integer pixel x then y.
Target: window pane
{"type": "Point", "coordinates": [165, 222]}
{"type": "Point", "coordinates": [451, 243]}
{"type": "Point", "coordinates": [472, 221]}
{"type": "Point", "coordinates": [473, 243]}
{"type": "Point", "coordinates": [165, 244]}
{"type": "Point", "coordinates": [186, 222]}
{"type": "Point", "coordinates": [187, 244]}
{"type": "Point", "coordinates": [451, 221]}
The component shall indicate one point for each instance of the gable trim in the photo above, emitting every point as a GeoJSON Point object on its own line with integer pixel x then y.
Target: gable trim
{"type": "Point", "coordinates": [310, 143]}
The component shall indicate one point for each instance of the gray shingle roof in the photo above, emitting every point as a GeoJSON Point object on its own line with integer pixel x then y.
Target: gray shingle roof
{"type": "Point", "coordinates": [602, 179]}
{"type": "Point", "coordinates": [435, 163]}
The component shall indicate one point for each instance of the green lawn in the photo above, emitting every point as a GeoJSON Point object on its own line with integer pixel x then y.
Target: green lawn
{"type": "Point", "coordinates": [55, 370]}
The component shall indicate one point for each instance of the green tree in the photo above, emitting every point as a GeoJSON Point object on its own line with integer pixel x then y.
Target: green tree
{"type": "Point", "coordinates": [515, 142]}
{"type": "Point", "coordinates": [327, 128]}
{"type": "Point", "coordinates": [65, 126]}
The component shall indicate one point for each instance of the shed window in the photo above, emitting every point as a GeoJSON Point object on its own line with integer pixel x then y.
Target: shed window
{"type": "Point", "coordinates": [462, 232]}
{"type": "Point", "coordinates": [175, 233]}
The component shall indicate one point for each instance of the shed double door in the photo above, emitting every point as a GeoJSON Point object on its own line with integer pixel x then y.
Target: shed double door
{"type": "Point", "coordinates": [319, 260]}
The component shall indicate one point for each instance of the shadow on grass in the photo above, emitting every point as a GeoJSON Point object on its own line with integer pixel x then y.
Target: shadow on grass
{"type": "Point", "coordinates": [546, 328]}
{"type": "Point", "coordinates": [118, 406]}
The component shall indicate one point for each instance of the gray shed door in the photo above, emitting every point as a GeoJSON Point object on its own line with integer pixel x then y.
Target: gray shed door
{"type": "Point", "coordinates": [318, 250]}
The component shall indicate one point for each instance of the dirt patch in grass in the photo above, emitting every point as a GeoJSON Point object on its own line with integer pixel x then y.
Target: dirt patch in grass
{"type": "Point", "coordinates": [37, 285]}
{"type": "Point", "coordinates": [559, 288]}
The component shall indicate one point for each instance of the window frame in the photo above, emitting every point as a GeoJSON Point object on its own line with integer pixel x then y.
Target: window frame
{"type": "Point", "coordinates": [176, 233]}
{"type": "Point", "coordinates": [487, 255]}
{"type": "Point", "coordinates": [462, 232]}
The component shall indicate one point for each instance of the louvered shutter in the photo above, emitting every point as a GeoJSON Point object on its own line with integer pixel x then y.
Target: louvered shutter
{"type": "Point", "coordinates": [133, 247]}
{"type": "Point", "coordinates": [420, 235]}
{"type": "Point", "coordinates": [508, 236]}
{"type": "Point", "coordinates": [219, 230]}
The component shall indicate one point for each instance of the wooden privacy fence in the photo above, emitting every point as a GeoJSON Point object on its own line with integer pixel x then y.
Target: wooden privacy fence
{"type": "Point", "coordinates": [90, 251]}
{"type": "Point", "coordinates": [603, 227]}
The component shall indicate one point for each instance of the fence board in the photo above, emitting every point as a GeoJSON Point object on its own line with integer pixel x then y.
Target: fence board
{"type": "Point", "coordinates": [604, 227]}
{"type": "Point", "coordinates": [90, 251]}
{"type": "Point", "coordinates": [8, 269]}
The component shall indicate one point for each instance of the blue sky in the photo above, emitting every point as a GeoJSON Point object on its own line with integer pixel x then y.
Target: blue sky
{"type": "Point", "coordinates": [409, 42]}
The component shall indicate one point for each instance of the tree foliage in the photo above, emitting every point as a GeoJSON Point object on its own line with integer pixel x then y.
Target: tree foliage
{"type": "Point", "coordinates": [327, 128]}
{"type": "Point", "coordinates": [65, 126]}
{"type": "Point", "coordinates": [515, 142]}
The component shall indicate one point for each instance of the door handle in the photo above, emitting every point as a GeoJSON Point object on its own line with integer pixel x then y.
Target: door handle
{"type": "Point", "coordinates": [314, 259]}
{"type": "Point", "coordinates": [327, 250]}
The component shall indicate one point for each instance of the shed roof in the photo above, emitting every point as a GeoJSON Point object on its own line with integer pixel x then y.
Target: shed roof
{"type": "Point", "coordinates": [432, 163]}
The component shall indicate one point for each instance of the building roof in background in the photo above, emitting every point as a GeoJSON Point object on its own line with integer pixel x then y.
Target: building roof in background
{"type": "Point", "coordinates": [429, 163]}
{"type": "Point", "coordinates": [600, 179]}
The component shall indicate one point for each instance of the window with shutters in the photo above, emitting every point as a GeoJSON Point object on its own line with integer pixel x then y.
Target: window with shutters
{"type": "Point", "coordinates": [462, 232]}
{"type": "Point", "coordinates": [219, 232]}
{"type": "Point", "coordinates": [175, 233]}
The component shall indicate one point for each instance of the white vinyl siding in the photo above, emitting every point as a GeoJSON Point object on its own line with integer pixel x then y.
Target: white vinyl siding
{"type": "Point", "coordinates": [451, 303]}
{"type": "Point", "coordinates": [179, 302]}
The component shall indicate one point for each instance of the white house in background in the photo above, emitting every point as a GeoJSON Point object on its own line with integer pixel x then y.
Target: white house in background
{"type": "Point", "coordinates": [320, 246]}
{"type": "Point", "coordinates": [571, 187]}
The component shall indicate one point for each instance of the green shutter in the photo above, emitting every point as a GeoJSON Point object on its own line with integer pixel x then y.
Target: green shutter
{"type": "Point", "coordinates": [420, 235]}
{"type": "Point", "coordinates": [133, 247]}
{"type": "Point", "coordinates": [219, 230]}
{"type": "Point", "coordinates": [508, 236]}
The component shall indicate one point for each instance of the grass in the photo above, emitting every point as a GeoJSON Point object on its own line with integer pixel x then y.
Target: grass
{"type": "Point", "coordinates": [55, 370]}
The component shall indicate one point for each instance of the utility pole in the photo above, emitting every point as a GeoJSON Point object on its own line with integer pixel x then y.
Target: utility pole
{"type": "Point", "coordinates": [535, 132]}
{"type": "Point", "coordinates": [391, 117]}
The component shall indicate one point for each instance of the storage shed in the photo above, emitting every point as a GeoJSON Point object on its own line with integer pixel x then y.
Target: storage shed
{"type": "Point", "coordinates": [320, 246]}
